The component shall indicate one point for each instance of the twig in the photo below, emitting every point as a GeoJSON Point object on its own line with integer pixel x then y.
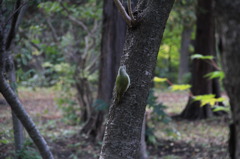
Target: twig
{"type": "Point", "coordinates": [80, 23]}
{"type": "Point", "coordinates": [130, 10]}
{"type": "Point", "coordinates": [123, 12]}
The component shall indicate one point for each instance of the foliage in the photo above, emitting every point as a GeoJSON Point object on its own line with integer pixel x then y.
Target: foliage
{"type": "Point", "coordinates": [45, 39]}
{"type": "Point", "coordinates": [61, 53]}
{"type": "Point", "coordinates": [202, 57]}
{"type": "Point", "coordinates": [180, 87]}
{"type": "Point", "coordinates": [168, 56]}
{"type": "Point", "coordinates": [70, 109]}
{"type": "Point", "coordinates": [158, 79]}
{"type": "Point", "coordinates": [6, 136]}
{"type": "Point", "coordinates": [182, 15]}
{"type": "Point", "coordinates": [221, 108]}
{"type": "Point", "coordinates": [208, 99]}
{"type": "Point", "coordinates": [215, 74]}
{"type": "Point", "coordinates": [28, 152]}
{"type": "Point", "coordinates": [157, 115]}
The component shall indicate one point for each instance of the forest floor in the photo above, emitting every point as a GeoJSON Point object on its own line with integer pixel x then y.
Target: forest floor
{"type": "Point", "coordinates": [178, 139]}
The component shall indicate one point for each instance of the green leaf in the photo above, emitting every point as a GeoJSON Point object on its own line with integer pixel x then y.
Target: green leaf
{"type": "Point", "coordinates": [152, 139]}
{"type": "Point", "coordinates": [47, 64]}
{"type": "Point", "coordinates": [215, 74]}
{"type": "Point", "coordinates": [180, 87]}
{"type": "Point", "coordinates": [208, 99]}
{"type": "Point", "coordinates": [4, 141]}
{"type": "Point", "coordinates": [158, 79]}
{"type": "Point", "coordinates": [202, 57]}
{"type": "Point", "coordinates": [221, 108]}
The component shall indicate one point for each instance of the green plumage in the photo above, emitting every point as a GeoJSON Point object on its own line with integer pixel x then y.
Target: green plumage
{"type": "Point", "coordinates": [122, 82]}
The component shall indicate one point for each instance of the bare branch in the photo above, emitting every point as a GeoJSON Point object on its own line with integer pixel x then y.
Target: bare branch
{"type": "Point", "coordinates": [80, 23]}
{"type": "Point", "coordinates": [91, 65]}
{"type": "Point", "coordinates": [130, 10]}
{"type": "Point", "coordinates": [123, 12]}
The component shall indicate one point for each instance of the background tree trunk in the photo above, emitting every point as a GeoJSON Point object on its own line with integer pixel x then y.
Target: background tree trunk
{"type": "Point", "coordinates": [17, 125]}
{"type": "Point", "coordinates": [184, 53]}
{"type": "Point", "coordinates": [18, 129]}
{"type": "Point", "coordinates": [205, 45]}
{"type": "Point", "coordinates": [228, 26]}
{"type": "Point", "coordinates": [123, 132]}
{"type": "Point", "coordinates": [113, 36]}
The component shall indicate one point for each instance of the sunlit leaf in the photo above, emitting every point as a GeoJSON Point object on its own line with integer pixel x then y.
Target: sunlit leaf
{"type": "Point", "coordinates": [208, 99]}
{"type": "Point", "coordinates": [4, 141]}
{"type": "Point", "coordinates": [215, 74]}
{"type": "Point", "coordinates": [221, 108]}
{"type": "Point", "coordinates": [180, 87]}
{"type": "Point", "coordinates": [158, 79]}
{"type": "Point", "coordinates": [202, 57]}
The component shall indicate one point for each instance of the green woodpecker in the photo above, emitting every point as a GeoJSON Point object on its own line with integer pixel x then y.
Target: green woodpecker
{"type": "Point", "coordinates": [122, 82]}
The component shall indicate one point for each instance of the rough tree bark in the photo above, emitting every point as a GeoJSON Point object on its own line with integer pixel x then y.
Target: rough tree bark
{"type": "Point", "coordinates": [122, 136]}
{"type": "Point", "coordinates": [17, 107]}
{"type": "Point", "coordinates": [205, 45]}
{"type": "Point", "coordinates": [228, 26]}
{"type": "Point", "coordinates": [11, 97]}
{"type": "Point", "coordinates": [113, 35]}
{"type": "Point", "coordinates": [17, 125]}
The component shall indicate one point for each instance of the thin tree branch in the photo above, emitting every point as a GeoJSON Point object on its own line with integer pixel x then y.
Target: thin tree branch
{"type": "Point", "coordinates": [15, 12]}
{"type": "Point", "coordinates": [80, 23]}
{"type": "Point", "coordinates": [123, 12]}
{"type": "Point", "coordinates": [14, 24]}
{"type": "Point", "coordinates": [130, 10]}
{"type": "Point", "coordinates": [22, 115]}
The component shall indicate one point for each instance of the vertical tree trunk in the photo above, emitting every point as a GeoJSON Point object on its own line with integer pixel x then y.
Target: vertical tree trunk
{"type": "Point", "coordinates": [113, 36]}
{"type": "Point", "coordinates": [205, 45]}
{"type": "Point", "coordinates": [228, 26]}
{"type": "Point", "coordinates": [122, 136]}
{"type": "Point", "coordinates": [184, 53]}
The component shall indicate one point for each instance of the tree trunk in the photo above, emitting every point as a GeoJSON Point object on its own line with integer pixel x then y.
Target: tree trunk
{"type": "Point", "coordinates": [205, 45]}
{"type": "Point", "coordinates": [184, 53]}
{"type": "Point", "coordinates": [113, 35]}
{"type": "Point", "coordinates": [8, 93]}
{"type": "Point", "coordinates": [228, 26]}
{"type": "Point", "coordinates": [123, 132]}
{"type": "Point", "coordinates": [17, 107]}
{"type": "Point", "coordinates": [17, 125]}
